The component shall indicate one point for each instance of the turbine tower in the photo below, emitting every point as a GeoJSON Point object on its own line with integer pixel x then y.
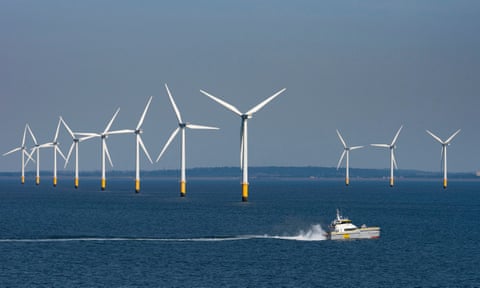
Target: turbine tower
{"type": "Point", "coordinates": [346, 151]}
{"type": "Point", "coordinates": [54, 145]}
{"type": "Point", "coordinates": [392, 146]}
{"type": "Point", "coordinates": [138, 130]}
{"type": "Point", "coordinates": [104, 135]}
{"type": "Point", "coordinates": [23, 150]}
{"type": "Point", "coordinates": [444, 153]}
{"type": "Point", "coordinates": [75, 143]}
{"type": "Point", "coordinates": [244, 134]}
{"type": "Point", "coordinates": [181, 127]}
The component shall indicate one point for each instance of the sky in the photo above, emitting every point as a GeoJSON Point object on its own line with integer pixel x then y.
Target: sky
{"type": "Point", "coordinates": [364, 67]}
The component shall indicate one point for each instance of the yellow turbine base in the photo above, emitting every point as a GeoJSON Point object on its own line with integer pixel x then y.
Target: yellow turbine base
{"type": "Point", "coordinates": [23, 179]}
{"type": "Point", "coordinates": [37, 180]}
{"type": "Point", "coordinates": [244, 192]}
{"type": "Point", "coordinates": [183, 188]}
{"type": "Point", "coordinates": [54, 181]}
{"type": "Point", "coordinates": [444, 183]}
{"type": "Point", "coordinates": [347, 181]}
{"type": "Point", "coordinates": [104, 182]}
{"type": "Point", "coordinates": [76, 183]}
{"type": "Point", "coordinates": [137, 186]}
{"type": "Point", "coordinates": [391, 182]}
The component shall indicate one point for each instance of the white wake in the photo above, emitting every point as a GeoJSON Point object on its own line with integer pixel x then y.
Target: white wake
{"type": "Point", "coordinates": [314, 233]}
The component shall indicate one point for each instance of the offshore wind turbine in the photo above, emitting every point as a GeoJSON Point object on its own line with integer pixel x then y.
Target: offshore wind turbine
{"type": "Point", "coordinates": [138, 130]}
{"type": "Point", "coordinates": [244, 133]}
{"type": "Point", "coordinates": [346, 151]}
{"type": "Point", "coordinates": [75, 143]}
{"type": "Point", "coordinates": [181, 127]}
{"type": "Point", "coordinates": [103, 135]}
{"type": "Point", "coordinates": [444, 152]}
{"type": "Point", "coordinates": [23, 150]}
{"type": "Point", "coordinates": [54, 145]}
{"type": "Point", "coordinates": [392, 146]}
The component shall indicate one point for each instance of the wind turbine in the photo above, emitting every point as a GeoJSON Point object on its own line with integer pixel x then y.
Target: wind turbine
{"type": "Point", "coordinates": [54, 145]}
{"type": "Point", "coordinates": [392, 147]}
{"type": "Point", "coordinates": [181, 127]}
{"type": "Point", "coordinates": [23, 150]}
{"type": "Point", "coordinates": [244, 133]}
{"type": "Point", "coordinates": [346, 151]}
{"type": "Point", "coordinates": [138, 130]}
{"type": "Point", "coordinates": [75, 143]}
{"type": "Point", "coordinates": [103, 135]}
{"type": "Point", "coordinates": [444, 152]}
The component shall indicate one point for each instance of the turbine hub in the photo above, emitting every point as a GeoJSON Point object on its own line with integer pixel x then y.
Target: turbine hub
{"type": "Point", "coordinates": [182, 125]}
{"type": "Point", "coordinates": [246, 116]}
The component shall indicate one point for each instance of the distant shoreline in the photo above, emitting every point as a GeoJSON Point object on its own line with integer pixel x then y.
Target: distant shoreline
{"type": "Point", "coordinates": [261, 173]}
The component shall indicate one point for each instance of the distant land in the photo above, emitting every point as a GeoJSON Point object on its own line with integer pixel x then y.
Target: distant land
{"type": "Point", "coordinates": [265, 173]}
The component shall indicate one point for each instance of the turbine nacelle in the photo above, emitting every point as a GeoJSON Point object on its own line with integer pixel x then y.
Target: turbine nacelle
{"type": "Point", "coordinates": [247, 116]}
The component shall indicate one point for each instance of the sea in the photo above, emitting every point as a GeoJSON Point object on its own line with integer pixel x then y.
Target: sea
{"type": "Point", "coordinates": [66, 237]}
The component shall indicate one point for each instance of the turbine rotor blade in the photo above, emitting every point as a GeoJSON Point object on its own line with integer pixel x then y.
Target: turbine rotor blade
{"type": "Point", "coordinates": [124, 131]}
{"type": "Point", "coordinates": [341, 139]}
{"type": "Point", "coordinates": [58, 130]}
{"type": "Point", "coordinates": [29, 157]}
{"type": "Point", "coordinates": [451, 137]}
{"type": "Point", "coordinates": [24, 135]}
{"type": "Point", "coordinates": [86, 138]}
{"type": "Point", "coordinates": [67, 127]}
{"type": "Point", "coordinates": [435, 137]}
{"type": "Point", "coordinates": [88, 134]}
{"type": "Point", "coordinates": [60, 152]}
{"type": "Point", "coordinates": [396, 136]}
{"type": "Point", "coordinates": [69, 154]}
{"type": "Point", "coordinates": [380, 145]}
{"type": "Point", "coordinates": [175, 108]}
{"type": "Point", "coordinates": [108, 154]}
{"type": "Point", "coordinates": [12, 151]}
{"type": "Point", "coordinates": [175, 132]}
{"type": "Point", "coordinates": [265, 102]}
{"type": "Point", "coordinates": [194, 126]}
{"type": "Point", "coordinates": [356, 147]}
{"type": "Point", "coordinates": [394, 161]}
{"type": "Point", "coordinates": [33, 136]}
{"type": "Point", "coordinates": [144, 113]}
{"type": "Point", "coordinates": [341, 158]}
{"type": "Point", "coordinates": [46, 145]}
{"type": "Point", "coordinates": [144, 149]}
{"type": "Point", "coordinates": [223, 103]}
{"type": "Point", "coordinates": [111, 121]}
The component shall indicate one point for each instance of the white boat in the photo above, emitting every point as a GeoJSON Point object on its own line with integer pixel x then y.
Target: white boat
{"type": "Point", "coordinates": [343, 228]}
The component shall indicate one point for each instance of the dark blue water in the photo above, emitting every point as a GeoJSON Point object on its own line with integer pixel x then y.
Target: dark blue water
{"type": "Point", "coordinates": [64, 237]}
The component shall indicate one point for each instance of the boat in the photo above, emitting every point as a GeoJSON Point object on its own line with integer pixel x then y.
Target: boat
{"type": "Point", "coordinates": [342, 228]}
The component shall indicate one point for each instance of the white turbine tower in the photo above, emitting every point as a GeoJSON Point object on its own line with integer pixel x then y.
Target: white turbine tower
{"type": "Point", "coordinates": [103, 135]}
{"type": "Point", "coordinates": [244, 134]}
{"type": "Point", "coordinates": [346, 151]}
{"type": "Point", "coordinates": [54, 145]}
{"type": "Point", "coordinates": [75, 143]}
{"type": "Point", "coordinates": [181, 127]}
{"type": "Point", "coordinates": [23, 150]}
{"type": "Point", "coordinates": [138, 130]}
{"type": "Point", "coordinates": [392, 147]}
{"type": "Point", "coordinates": [444, 152]}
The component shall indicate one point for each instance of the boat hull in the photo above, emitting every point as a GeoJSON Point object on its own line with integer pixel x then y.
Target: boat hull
{"type": "Point", "coordinates": [360, 233]}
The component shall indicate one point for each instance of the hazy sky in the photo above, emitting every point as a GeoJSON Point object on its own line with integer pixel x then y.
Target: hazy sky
{"type": "Point", "coordinates": [364, 67]}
